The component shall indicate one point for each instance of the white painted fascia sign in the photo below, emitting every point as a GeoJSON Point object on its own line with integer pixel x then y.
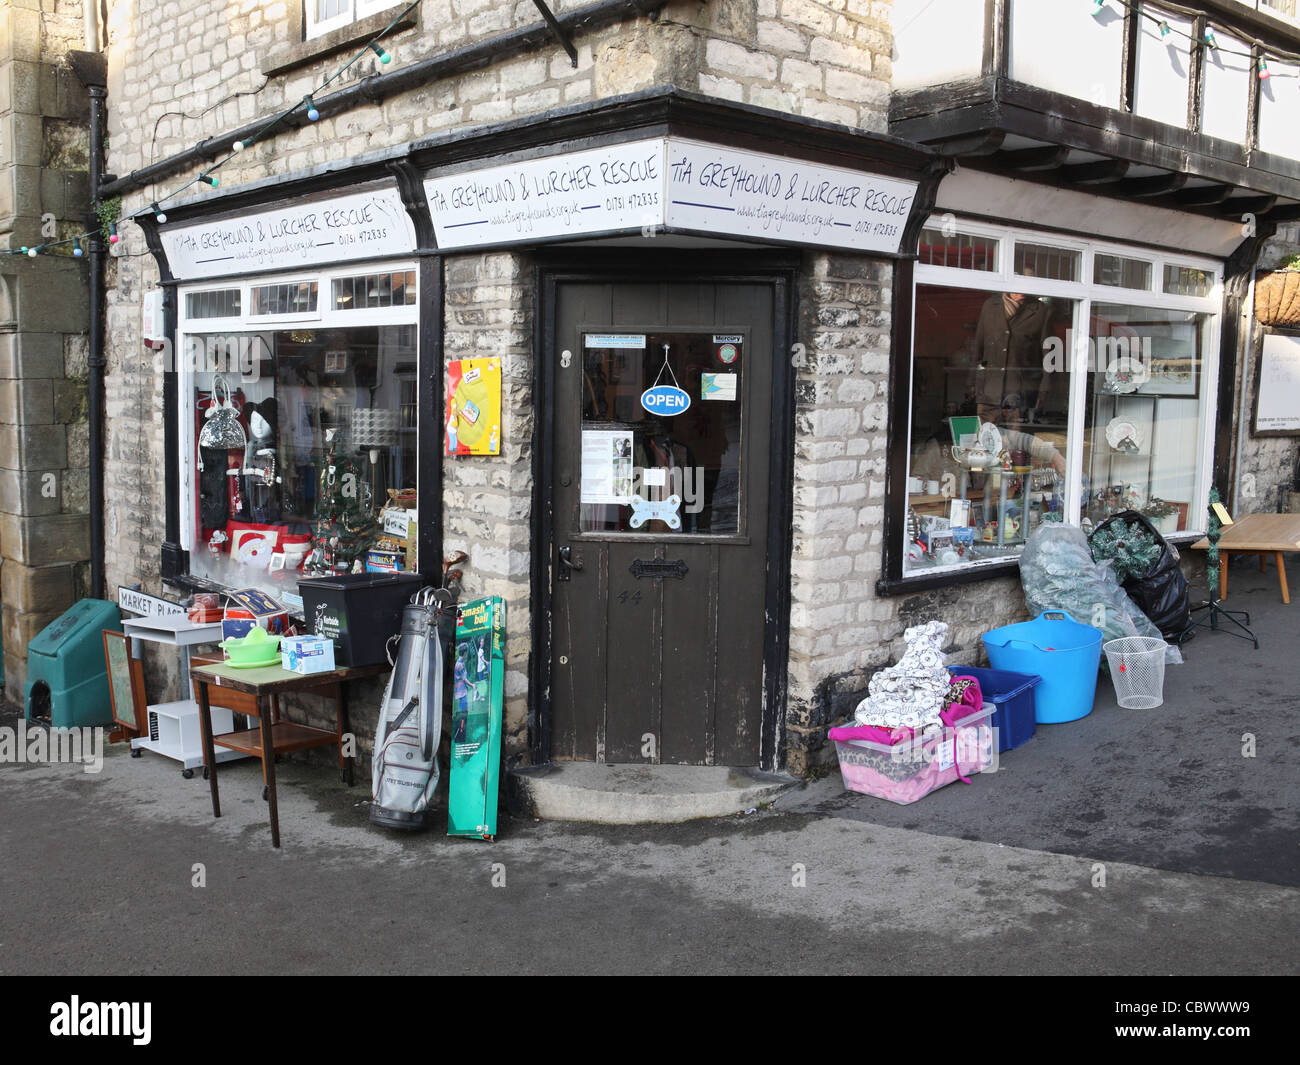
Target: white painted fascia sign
{"type": "Point", "coordinates": [356, 226]}
{"type": "Point", "coordinates": [685, 185]}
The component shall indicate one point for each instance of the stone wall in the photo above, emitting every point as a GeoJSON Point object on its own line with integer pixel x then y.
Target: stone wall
{"type": "Point", "coordinates": [44, 462]}
{"type": "Point", "coordinates": [488, 501]}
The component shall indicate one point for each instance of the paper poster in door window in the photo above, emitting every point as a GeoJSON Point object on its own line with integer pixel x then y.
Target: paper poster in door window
{"type": "Point", "coordinates": [473, 407]}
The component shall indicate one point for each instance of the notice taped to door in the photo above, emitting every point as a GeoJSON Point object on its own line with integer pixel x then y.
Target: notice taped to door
{"type": "Point", "coordinates": [607, 466]}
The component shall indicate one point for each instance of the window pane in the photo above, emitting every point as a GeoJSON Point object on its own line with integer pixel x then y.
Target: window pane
{"type": "Point", "coordinates": [629, 452]}
{"type": "Point", "coordinates": [1188, 281]}
{"type": "Point", "coordinates": [293, 298]}
{"type": "Point", "coordinates": [307, 399]}
{"type": "Point", "coordinates": [985, 358]}
{"type": "Point", "coordinates": [960, 250]}
{"type": "Point", "coordinates": [1042, 260]}
{"type": "Point", "coordinates": [1120, 272]}
{"type": "Point", "coordinates": [1142, 431]}
{"type": "Point", "coordinates": [213, 303]}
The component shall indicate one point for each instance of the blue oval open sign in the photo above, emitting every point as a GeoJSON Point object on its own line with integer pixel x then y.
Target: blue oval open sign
{"type": "Point", "coordinates": [665, 399]}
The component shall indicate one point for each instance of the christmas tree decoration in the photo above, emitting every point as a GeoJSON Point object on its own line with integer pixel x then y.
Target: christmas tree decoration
{"type": "Point", "coordinates": [1130, 548]}
{"type": "Point", "coordinates": [345, 524]}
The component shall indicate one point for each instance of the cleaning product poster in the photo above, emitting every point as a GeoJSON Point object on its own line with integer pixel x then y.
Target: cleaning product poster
{"type": "Point", "coordinates": [478, 686]}
{"type": "Point", "coordinates": [473, 407]}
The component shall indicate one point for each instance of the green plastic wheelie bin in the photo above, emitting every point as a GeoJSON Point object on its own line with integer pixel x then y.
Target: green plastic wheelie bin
{"type": "Point", "coordinates": [67, 678]}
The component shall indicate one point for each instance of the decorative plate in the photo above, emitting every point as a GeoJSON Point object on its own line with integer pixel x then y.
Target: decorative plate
{"type": "Point", "coordinates": [1121, 378]}
{"type": "Point", "coordinates": [990, 438]}
{"type": "Point", "coordinates": [1123, 436]}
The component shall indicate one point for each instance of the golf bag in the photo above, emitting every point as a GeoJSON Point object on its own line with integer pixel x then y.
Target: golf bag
{"type": "Point", "coordinates": [404, 762]}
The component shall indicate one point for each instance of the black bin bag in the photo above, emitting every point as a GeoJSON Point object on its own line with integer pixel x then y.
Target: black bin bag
{"type": "Point", "coordinates": [1161, 593]}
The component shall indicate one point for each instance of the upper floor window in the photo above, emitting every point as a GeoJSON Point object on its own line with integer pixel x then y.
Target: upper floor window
{"type": "Point", "coordinates": [326, 15]}
{"type": "Point", "coordinates": [1284, 9]}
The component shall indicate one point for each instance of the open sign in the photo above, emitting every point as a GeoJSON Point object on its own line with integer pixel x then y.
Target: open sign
{"type": "Point", "coordinates": [665, 400]}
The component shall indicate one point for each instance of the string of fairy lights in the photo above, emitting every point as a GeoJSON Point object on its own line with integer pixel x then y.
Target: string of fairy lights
{"type": "Point", "coordinates": [1259, 55]}
{"type": "Point", "coordinates": [208, 177]}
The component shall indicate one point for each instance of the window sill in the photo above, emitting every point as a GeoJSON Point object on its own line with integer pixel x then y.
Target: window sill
{"type": "Point", "coordinates": [283, 59]}
{"type": "Point", "coordinates": [951, 578]}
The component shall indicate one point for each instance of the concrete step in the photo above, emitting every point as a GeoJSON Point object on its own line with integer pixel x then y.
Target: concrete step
{"type": "Point", "coordinates": [639, 794]}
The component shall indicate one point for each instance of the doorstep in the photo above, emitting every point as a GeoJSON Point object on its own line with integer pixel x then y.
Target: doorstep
{"type": "Point", "coordinates": [639, 794]}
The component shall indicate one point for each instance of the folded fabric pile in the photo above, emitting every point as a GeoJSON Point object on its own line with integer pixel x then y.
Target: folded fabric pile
{"type": "Point", "coordinates": [910, 694]}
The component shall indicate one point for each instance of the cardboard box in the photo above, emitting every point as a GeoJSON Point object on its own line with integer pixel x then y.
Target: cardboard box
{"type": "Point", "coordinates": [307, 654]}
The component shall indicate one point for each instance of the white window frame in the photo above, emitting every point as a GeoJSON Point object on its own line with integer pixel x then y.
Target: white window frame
{"type": "Point", "coordinates": [353, 11]}
{"type": "Point", "coordinates": [326, 316]}
{"type": "Point", "coordinates": [1084, 293]}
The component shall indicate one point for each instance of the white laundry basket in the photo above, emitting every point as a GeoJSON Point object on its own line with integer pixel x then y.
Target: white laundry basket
{"type": "Point", "coordinates": [1137, 669]}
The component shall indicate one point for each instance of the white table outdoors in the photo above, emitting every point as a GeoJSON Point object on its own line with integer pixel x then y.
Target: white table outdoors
{"type": "Point", "coordinates": [174, 730]}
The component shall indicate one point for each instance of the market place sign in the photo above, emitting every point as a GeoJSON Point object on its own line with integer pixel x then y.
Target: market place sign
{"type": "Point", "coordinates": [363, 225]}
{"type": "Point", "coordinates": [681, 184]}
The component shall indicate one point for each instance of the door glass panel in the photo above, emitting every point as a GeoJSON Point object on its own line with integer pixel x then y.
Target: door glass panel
{"type": "Point", "coordinates": [672, 470]}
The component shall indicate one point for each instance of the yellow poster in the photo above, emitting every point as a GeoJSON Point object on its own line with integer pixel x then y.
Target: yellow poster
{"type": "Point", "coordinates": [473, 407]}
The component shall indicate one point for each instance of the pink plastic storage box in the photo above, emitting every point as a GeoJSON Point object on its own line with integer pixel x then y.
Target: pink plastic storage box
{"type": "Point", "coordinates": [911, 769]}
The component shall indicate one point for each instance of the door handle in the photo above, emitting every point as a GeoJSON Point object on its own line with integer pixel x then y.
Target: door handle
{"type": "Point", "coordinates": [567, 563]}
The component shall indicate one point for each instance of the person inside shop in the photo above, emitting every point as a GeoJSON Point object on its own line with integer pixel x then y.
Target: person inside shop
{"type": "Point", "coordinates": [1008, 354]}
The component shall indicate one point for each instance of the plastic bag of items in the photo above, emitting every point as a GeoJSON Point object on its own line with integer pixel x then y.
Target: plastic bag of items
{"type": "Point", "coordinates": [1057, 572]}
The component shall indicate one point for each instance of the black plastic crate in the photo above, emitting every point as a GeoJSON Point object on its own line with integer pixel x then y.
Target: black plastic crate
{"type": "Point", "coordinates": [358, 611]}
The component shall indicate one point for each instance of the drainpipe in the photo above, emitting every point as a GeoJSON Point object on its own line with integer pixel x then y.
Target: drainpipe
{"type": "Point", "coordinates": [96, 361]}
{"type": "Point", "coordinates": [90, 21]}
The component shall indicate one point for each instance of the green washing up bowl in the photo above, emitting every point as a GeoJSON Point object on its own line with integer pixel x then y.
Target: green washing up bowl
{"type": "Point", "coordinates": [258, 648]}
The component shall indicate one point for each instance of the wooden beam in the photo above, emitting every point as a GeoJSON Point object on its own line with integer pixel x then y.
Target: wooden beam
{"type": "Point", "coordinates": [1255, 205]}
{"type": "Point", "coordinates": [1202, 195]}
{"type": "Point", "coordinates": [984, 143]}
{"type": "Point", "coordinates": [1097, 171]}
{"type": "Point", "coordinates": [1044, 158]}
{"type": "Point", "coordinates": [1156, 185]}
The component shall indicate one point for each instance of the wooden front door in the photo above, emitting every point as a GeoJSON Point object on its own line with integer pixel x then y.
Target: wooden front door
{"type": "Point", "coordinates": [660, 521]}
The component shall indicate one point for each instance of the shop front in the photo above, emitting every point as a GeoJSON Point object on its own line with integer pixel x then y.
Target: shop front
{"type": "Point", "coordinates": [572, 351]}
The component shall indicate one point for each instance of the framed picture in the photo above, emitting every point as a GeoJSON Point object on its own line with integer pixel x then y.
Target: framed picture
{"type": "Point", "coordinates": [125, 683]}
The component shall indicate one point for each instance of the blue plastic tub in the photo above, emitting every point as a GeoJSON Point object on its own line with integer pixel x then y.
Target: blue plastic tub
{"type": "Point", "coordinates": [1061, 651]}
{"type": "Point", "coordinates": [1012, 694]}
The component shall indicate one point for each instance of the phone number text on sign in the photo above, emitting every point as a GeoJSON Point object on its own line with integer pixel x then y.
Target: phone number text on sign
{"type": "Point", "coordinates": [601, 190]}
{"type": "Point", "coordinates": [747, 193]}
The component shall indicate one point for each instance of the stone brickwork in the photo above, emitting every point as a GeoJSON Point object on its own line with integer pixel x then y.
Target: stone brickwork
{"type": "Point", "coordinates": [44, 461]}
{"type": "Point", "coordinates": [841, 631]}
{"type": "Point", "coordinates": [488, 501]}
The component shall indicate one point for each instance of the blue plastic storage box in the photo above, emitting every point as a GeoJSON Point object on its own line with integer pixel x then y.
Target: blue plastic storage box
{"type": "Point", "coordinates": [1013, 696]}
{"type": "Point", "coordinates": [1061, 651]}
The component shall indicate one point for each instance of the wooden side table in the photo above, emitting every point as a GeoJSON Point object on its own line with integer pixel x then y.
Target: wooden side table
{"type": "Point", "coordinates": [272, 736]}
{"type": "Point", "coordinates": [1262, 535]}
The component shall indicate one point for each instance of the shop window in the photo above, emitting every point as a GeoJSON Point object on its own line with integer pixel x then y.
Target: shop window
{"type": "Point", "coordinates": [989, 423]}
{"type": "Point", "coordinates": [213, 303]}
{"type": "Point", "coordinates": [374, 290]}
{"type": "Point", "coordinates": [326, 15]}
{"type": "Point", "coordinates": [1060, 403]}
{"type": "Point", "coordinates": [1118, 271]}
{"type": "Point", "coordinates": [293, 298]}
{"type": "Point", "coordinates": [1187, 281]}
{"type": "Point", "coordinates": [1043, 260]}
{"type": "Point", "coordinates": [963, 251]}
{"type": "Point", "coordinates": [1142, 421]}
{"type": "Point", "coordinates": [326, 416]}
